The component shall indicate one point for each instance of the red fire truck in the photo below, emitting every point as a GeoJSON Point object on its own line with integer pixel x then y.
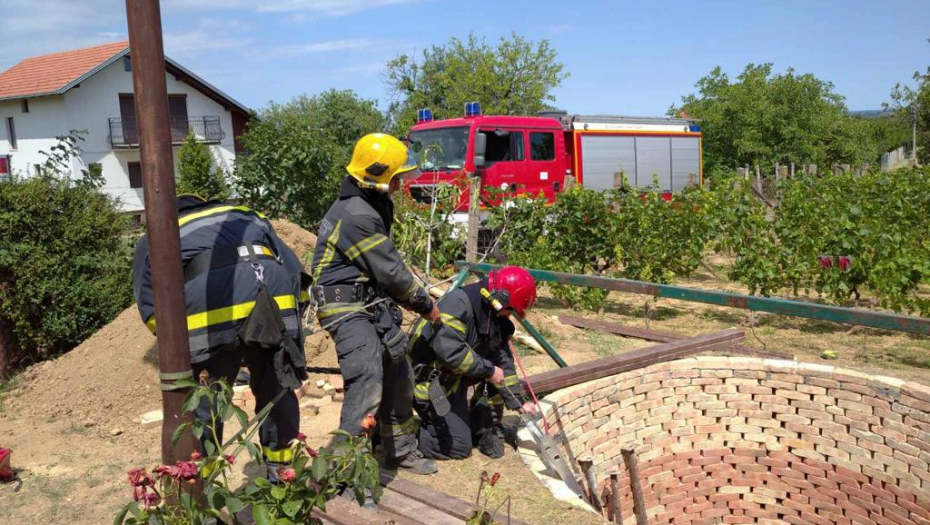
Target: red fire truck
{"type": "Point", "coordinates": [535, 154]}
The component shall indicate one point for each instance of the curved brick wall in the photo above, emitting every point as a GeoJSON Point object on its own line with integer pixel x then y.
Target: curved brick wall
{"type": "Point", "coordinates": [745, 440]}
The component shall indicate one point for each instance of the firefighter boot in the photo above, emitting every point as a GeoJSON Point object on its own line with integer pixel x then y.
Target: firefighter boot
{"type": "Point", "coordinates": [416, 463]}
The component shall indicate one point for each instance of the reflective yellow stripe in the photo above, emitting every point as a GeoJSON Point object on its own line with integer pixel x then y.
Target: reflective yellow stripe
{"type": "Point", "coordinates": [213, 211]}
{"type": "Point", "coordinates": [410, 291]}
{"type": "Point", "coordinates": [283, 455]}
{"type": "Point", "coordinates": [342, 308]}
{"type": "Point", "coordinates": [452, 322]}
{"type": "Point", "coordinates": [466, 363]}
{"type": "Point", "coordinates": [421, 391]}
{"type": "Point", "coordinates": [404, 428]}
{"type": "Point", "coordinates": [511, 380]}
{"type": "Point", "coordinates": [417, 331]}
{"type": "Point", "coordinates": [304, 296]}
{"type": "Point", "coordinates": [496, 399]}
{"type": "Point", "coordinates": [328, 253]}
{"type": "Point", "coordinates": [364, 245]}
{"type": "Point", "coordinates": [227, 314]}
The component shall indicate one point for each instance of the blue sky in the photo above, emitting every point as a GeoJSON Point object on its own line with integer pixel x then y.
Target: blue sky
{"type": "Point", "coordinates": [624, 57]}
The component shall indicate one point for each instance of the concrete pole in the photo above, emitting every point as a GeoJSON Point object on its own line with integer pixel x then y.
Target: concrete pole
{"type": "Point", "coordinates": [151, 96]}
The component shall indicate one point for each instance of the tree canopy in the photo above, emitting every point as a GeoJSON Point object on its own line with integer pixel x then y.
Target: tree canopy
{"type": "Point", "coordinates": [515, 77]}
{"type": "Point", "coordinates": [298, 151]}
{"type": "Point", "coordinates": [766, 118]}
{"type": "Point", "coordinates": [197, 174]}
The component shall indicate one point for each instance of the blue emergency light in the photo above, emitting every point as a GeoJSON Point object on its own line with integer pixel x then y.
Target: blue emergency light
{"type": "Point", "coordinates": [694, 128]}
{"type": "Point", "coordinates": [424, 115]}
{"type": "Point", "coordinates": [472, 109]}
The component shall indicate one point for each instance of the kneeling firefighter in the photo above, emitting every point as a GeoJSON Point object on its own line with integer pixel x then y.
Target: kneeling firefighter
{"type": "Point", "coordinates": [471, 347]}
{"type": "Point", "coordinates": [243, 291]}
{"type": "Point", "coordinates": [358, 278]}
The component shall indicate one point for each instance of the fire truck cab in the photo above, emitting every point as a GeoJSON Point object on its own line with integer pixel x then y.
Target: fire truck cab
{"type": "Point", "coordinates": [534, 155]}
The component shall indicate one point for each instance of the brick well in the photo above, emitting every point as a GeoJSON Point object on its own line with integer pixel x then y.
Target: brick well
{"type": "Point", "coordinates": [746, 440]}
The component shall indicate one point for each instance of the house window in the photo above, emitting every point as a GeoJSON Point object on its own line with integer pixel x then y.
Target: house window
{"type": "Point", "coordinates": [542, 146]}
{"type": "Point", "coordinates": [11, 132]}
{"type": "Point", "coordinates": [127, 64]}
{"type": "Point", "coordinates": [135, 175]}
{"type": "Point", "coordinates": [25, 106]}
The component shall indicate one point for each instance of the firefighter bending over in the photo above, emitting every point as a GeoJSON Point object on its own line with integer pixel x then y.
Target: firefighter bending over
{"type": "Point", "coordinates": [242, 288]}
{"type": "Point", "coordinates": [358, 276]}
{"type": "Point", "coordinates": [470, 347]}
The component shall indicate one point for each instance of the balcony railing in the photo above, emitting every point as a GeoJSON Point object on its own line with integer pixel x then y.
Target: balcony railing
{"type": "Point", "coordinates": [124, 132]}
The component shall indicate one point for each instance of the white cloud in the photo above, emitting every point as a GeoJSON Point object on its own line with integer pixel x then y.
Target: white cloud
{"type": "Point", "coordinates": [321, 7]}
{"type": "Point", "coordinates": [211, 34]}
{"type": "Point", "coordinates": [329, 46]}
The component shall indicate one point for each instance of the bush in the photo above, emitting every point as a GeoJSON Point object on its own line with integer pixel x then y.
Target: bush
{"type": "Point", "coordinates": [297, 154]}
{"type": "Point", "coordinates": [415, 223]}
{"type": "Point", "coordinates": [196, 173]}
{"type": "Point", "coordinates": [64, 266]}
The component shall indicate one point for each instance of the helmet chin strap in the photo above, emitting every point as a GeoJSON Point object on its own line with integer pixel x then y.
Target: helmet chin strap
{"type": "Point", "coordinates": [378, 186]}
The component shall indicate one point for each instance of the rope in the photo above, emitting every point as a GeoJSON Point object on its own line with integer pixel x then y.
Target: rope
{"type": "Point", "coordinates": [529, 386]}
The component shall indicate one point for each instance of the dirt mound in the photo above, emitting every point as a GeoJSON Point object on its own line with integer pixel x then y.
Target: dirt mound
{"type": "Point", "coordinates": [112, 378]}
{"type": "Point", "coordinates": [297, 238]}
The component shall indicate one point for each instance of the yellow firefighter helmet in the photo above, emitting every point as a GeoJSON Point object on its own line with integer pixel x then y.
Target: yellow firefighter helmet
{"type": "Point", "coordinates": [378, 158]}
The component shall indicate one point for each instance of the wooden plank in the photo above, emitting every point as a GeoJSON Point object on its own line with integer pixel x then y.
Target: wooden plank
{"type": "Point", "coordinates": [656, 335]}
{"type": "Point", "coordinates": [451, 505]}
{"type": "Point", "coordinates": [397, 503]}
{"type": "Point", "coordinates": [597, 369]}
{"type": "Point", "coordinates": [341, 511]}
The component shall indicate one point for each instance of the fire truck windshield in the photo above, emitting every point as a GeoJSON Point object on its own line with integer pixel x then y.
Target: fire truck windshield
{"type": "Point", "coordinates": [440, 149]}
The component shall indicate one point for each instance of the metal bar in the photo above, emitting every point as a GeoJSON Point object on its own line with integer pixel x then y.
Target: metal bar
{"type": "Point", "coordinates": [151, 98]}
{"type": "Point", "coordinates": [632, 465]}
{"type": "Point", "coordinates": [587, 467]}
{"type": "Point", "coordinates": [530, 329]}
{"type": "Point", "coordinates": [655, 335]}
{"type": "Point", "coordinates": [836, 314]}
{"type": "Point", "coordinates": [615, 496]}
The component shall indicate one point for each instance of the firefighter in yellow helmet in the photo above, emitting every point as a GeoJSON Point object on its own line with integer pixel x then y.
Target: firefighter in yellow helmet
{"type": "Point", "coordinates": [359, 278]}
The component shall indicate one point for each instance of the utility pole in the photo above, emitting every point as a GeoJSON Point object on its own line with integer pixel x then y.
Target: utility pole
{"type": "Point", "coordinates": [161, 214]}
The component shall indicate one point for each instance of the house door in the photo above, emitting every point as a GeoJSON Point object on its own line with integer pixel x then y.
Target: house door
{"type": "Point", "coordinates": [177, 110]}
{"type": "Point", "coordinates": [127, 113]}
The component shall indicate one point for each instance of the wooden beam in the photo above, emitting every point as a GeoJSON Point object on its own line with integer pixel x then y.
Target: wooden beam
{"type": "Point", "coordinates": [643, 357]}
{"type": "Point", "coordinates": [451, 505]}
{"type": "Point", "coordinates": [656, 335]}
{"type": "Point", "coordinates": [341, 511]}
{"type": "Point", "coordinates": [397, 503]}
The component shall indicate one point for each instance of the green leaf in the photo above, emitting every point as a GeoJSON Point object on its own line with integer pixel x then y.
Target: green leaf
{"type": "Point", "coordinates": [278, 492]}
{"type": "Point", "coordinates": [234, 505]}
{"type": "Point", "coordinates": [261, 515]}
{"type": "Point", "coordinates": [318, 470]}
{"type": "Point", "coordinates": [179, 431]}
{"type": "Point", "coordinates": [121, 516]}
{"type": "Point", "coordinates": [262, 483]}
{"type": "Point", "coordinates": [291, 508]}
{"type": "Point", "coordinates": [192, 399]}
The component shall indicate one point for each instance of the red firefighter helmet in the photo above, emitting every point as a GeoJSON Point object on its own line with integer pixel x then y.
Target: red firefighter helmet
{"type": "Point", "coordinates": [514, 287]}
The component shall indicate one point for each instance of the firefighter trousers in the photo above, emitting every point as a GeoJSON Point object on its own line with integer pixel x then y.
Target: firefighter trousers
{"type": "Point", "coordinates": [453, 436]}
{"type": "Point", "coordinates": [283, 422]}
{"type": "Point", "coordinates": [376, 385]}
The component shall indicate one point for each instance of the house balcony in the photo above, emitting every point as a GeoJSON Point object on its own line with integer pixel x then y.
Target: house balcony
{"type": "Point", "coordinates": [124, 132]}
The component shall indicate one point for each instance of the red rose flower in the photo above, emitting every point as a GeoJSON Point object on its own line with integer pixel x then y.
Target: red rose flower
{"type": "Point", "coordinates": [288, 475]}
{"type": "Point", "coordinates": [139, 478]}
{"type": "Point", "coordinates": [151, 500]}
{"type": "Point", "coordinates": [301, 437]}
{"type": "Point", "coordinates": [196, 456]}
{"type": "Point", "coordinates": [230, 459]}
{"type": "Point", "coordinates": [311, 452]}
{"type": "Point", "coordinates": [494, 478]}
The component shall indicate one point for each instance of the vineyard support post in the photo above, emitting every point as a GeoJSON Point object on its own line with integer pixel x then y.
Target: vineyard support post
{"type": "Point", "coordinates": [587, 467]}
{"type": "Point", "coordinates": [151, 95]}
{"type": "Point", "coordinates": [471, 242]}
{"type": "Point", "coordinates": [632, 465]}
{"type": "Point", "coordinates": [792, 170]}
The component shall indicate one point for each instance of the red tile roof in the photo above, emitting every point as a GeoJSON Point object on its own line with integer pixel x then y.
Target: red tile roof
{"type": "Point", "coordinates": [49, 73]}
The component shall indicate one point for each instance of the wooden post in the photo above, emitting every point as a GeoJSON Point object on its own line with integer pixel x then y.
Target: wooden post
{"type": "Point", "coordinates": [619, 180]}
{"type": "Point", "coordinates": [151, 95]}
{"type": "Point", "coordinates": [741, 173]}
{"type": "Point", "coordinates": [783, 172]}
{"type": "Point", "coordinates": [569, 182]}
{"type": "Point", "coordinates": [758, 179]}
{"type": "Point", "coordinates": [587, 467]}
{"type": "Point", "coordinates": [615, 496]}
{"type": "Point", "coordinates": [632, 466]}
{"type": "Point", "coordinates": [792, 170]}
{"type": "Point", "coordinates": [474, 201]}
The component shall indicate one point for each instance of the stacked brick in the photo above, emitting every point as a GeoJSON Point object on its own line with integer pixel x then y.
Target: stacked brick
{"type": "Point", "coordinates": [745, 440]}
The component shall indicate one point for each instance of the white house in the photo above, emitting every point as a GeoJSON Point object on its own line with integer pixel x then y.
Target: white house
{"type": "Point", "coordinates": [91, 89]}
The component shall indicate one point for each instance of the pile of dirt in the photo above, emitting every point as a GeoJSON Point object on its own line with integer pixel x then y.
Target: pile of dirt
{"type": "Point", "coordinates": [297, 238]}
{"type": "Point", "coordinates": [111, 379]}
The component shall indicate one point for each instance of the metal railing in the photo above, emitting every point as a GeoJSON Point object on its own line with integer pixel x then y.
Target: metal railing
{"type": "Point", "coordinates": [124, 132]}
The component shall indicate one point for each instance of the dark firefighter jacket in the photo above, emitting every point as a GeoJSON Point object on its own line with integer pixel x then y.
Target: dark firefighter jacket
{"type": "Point", "coordinates": [220, 299]}
{"type": "Point", "coordinates": [355, 247]}
{"type": "Point", "coordinates": [469, 343]}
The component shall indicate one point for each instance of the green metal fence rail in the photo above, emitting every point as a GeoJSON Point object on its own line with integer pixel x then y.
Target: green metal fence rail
{"type": "Point", "coordinates": [836, 314]}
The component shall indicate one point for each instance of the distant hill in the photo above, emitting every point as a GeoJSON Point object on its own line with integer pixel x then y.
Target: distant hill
{"type": "Point", "coordinates": [871, 113]}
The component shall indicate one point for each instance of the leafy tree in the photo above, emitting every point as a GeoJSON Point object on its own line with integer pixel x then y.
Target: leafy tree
{"type": "Point", "coordinates": [64, 266]}
{"type": "Point", "coordinates": [197, 174]}
{"type": "Point", "coordinates": [765, 118]}
{"type": "Point", "coordinates": [912, 106]}
{"type": "Point", "coordinates": [514, 78]}
{"type": "Point", "coordinates": [298, 152]}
